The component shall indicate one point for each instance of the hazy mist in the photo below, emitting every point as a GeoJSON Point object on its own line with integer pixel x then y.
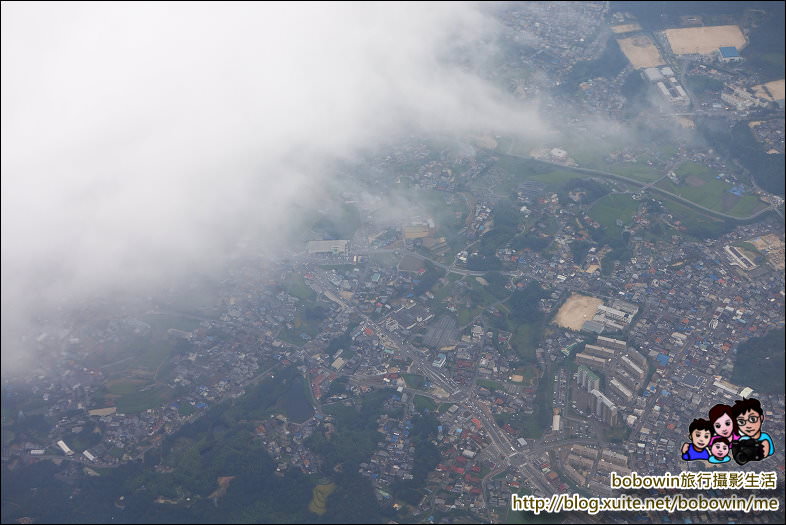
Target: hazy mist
{"type": "Point", "coordinates": [141, 141]}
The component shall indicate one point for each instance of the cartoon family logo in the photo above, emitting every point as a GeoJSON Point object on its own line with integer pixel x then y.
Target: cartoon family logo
{"type": "Point", "coordinates": [730, 430]}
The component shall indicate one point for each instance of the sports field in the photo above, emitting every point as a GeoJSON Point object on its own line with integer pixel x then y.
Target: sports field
{"type": "Point", "coordinates": [577, 309]}
{"type": "Point", "coordinates": [640, 51]}
{"type": "Point", "coordinates": [704, 40]}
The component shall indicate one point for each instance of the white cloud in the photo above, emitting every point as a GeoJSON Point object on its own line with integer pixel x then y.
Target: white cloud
{"type": "Point", "coordinates": [138, 137]}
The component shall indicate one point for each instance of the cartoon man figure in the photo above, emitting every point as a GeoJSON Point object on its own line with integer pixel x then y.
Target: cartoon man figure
{"type": "Point", "coordinates": [719, 450]}
{"type": "Point", "coordinates": [749, 417]}
{"type": "Point", "coordinates": [700, 434]}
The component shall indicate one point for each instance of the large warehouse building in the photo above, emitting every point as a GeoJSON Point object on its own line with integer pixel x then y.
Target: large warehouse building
{"type": "Point", "coordinates": [337, 247]}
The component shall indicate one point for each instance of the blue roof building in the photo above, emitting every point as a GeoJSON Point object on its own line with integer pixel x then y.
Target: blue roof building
{"type": "Point", "coordinates": [729, 54]}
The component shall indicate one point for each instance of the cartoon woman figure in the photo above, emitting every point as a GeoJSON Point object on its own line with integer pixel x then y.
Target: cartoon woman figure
{"type": "Point", "coordinates": [723, 423]}
{"type": "Point", "coordinates": [719, 450]}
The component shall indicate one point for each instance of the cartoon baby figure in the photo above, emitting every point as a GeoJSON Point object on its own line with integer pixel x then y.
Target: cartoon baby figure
{"type": "Point", "coordinates": [719, 450]}
{"type": "Point", "coordinates": [700, 434]}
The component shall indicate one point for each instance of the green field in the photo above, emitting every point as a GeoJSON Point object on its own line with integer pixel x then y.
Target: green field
{"type": "Point", "coordinates": [424, 403]}
{"type": "Point", "coordinates": [530, 374]}
{"type": "Point", "coordinates": [638, 171]}
{"type": "Point", "coordinates": [556, 178]}
{"type": "Point", "coordinates": [607, 210]}
{"type": "Point", "coordinates": [296, 286]}
{"type": "Point", "coordinates": [696, 223]}
{"type": "Point", "coordinates": [746, 206]}
{"type": "Point", "coordinates": [481, 292]}
{"type": "Point", "coordinates": [525, 340]}
{"type": "Point", "coordinates": [442, 291]}
{"type": "Point", "coordinates": [414, 380]}
{"type": "Point", "coordinates": [520, 169]}
{"type": "Point", "coordinates": [443, 407]}
{"type": "Point", "coordinates": [465, 315]}
{"type": "Point", "coordinates": [125, 386]}
{"type": "Point", "coordinates": [491, 385]}
{"type": "Point", "coordinates": [140, 401]}
{"type": "Point", "coordinates": [699, 185]}
{"type": "Point", "coordinates": [308, 320]}
{"type": "Point", "coordinates": [149, 351]}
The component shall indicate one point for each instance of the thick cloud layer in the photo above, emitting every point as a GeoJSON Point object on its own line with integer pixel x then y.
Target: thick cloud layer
{"type": "Point", "coordinates": [139, 139]}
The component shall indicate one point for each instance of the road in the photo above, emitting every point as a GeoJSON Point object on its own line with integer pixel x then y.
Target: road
{"type": "Point", "coordinates": [501, 450]}
{"type": "Point", "coordinates": [455, 393]}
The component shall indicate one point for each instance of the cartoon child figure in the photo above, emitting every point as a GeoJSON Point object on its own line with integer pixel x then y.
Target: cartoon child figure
{"type": "Point", "coordinates": [749, 417]}
{"type": "Point", "coordinates": [719, 450]}
{"type": "Point", "coordinates": [700, 434]}
{"type": "Point", "coordinates": [723, 423]}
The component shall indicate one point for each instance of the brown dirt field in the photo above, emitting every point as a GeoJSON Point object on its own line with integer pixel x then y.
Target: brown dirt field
{"type": "Point", "coordinates": [774, 90]}
{"type": "Point", "coordinates": [773, 247]}
{"type": "Point", "coordinates": [694, 181]}
{"type": "Point", "coordinates": [685, 122]}
{"type": "Point", "coordinates": [641, 52]}
{"type": "Point", "coordinates": [625, 28]}
{"type": "Point", "coordinates": [704, 40]}
{"type": "Point", "coordinates": [592, 267]}
{"type": "Point", "coordinates": [577, 309]}
{"type": "Point", "coordinates": [223, 485]}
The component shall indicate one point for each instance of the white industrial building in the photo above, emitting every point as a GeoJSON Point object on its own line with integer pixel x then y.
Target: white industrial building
{"type": "Point", "coordinates": [336, 247]}
{"type": "Point", "coordinates": [64, 448]}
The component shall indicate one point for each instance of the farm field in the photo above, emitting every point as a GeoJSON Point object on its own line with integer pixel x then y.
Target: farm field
{"type": "Point", "coordinates": [771, 90]}
{"type": "Point", "coordinates": [695, 223]}
{"type": "Point", "coordinates": [637, 171]}
{"type": "Point", "coordinates": [697, 184]}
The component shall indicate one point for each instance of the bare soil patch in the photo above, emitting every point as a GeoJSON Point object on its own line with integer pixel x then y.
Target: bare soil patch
{"type": "Point", "coordinates": [576, 310]}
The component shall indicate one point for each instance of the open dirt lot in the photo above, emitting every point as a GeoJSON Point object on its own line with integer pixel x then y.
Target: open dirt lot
{"type": "Point", "coordinates": [625, 28]}
{"type": "Point", "coordinates": [685, 122]}
{"type": "Point", "coordinates": [704, 40]}
{"type": "Point", "coordinates": [773, 247]}
{"type": "Point", "coordinates": [774, 90]}
{"type": "Point", "coordinates": [576, 310]}
{"type": "Point", "coordinates": [641, 52]}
